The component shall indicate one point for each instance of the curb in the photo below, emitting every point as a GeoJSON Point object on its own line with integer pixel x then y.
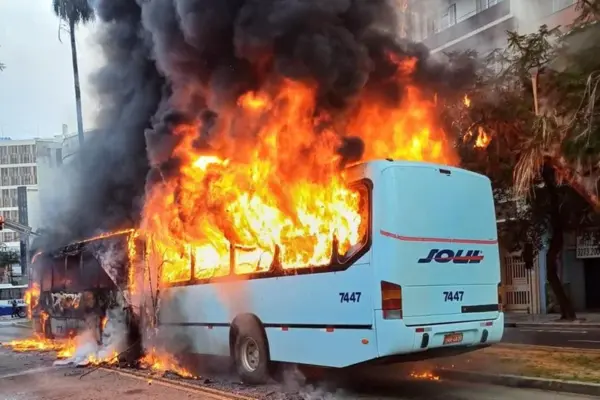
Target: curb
{"type": "Point", "coordinates": [553, 325]}
{"type": "Point", "coordinates": [584, 388]}
{"type": "Point", "coordinates": [212, 393]}
{"type": "Point", "coordinates": [554, 349]}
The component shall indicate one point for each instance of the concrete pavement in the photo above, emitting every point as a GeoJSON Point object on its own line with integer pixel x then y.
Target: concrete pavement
{"type": "Point", "coordinates": [29, 376]}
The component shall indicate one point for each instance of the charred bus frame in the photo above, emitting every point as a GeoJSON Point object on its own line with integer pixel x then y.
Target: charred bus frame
{"type": "Point", "coordinates": [77, 283]}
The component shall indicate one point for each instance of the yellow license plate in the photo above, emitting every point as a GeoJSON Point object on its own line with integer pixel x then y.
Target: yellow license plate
{"type": "Point", "coordinates": [453, 338]}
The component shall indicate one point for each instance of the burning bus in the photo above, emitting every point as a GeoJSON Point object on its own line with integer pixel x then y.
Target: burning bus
{"type": "Point", "coordinates": [72, 287]}
{"type": "Point", "coordinates": [401, 275]}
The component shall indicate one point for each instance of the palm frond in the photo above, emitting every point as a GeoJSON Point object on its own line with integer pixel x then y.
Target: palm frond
{"type": "Point", "coordinates": [74, 12]}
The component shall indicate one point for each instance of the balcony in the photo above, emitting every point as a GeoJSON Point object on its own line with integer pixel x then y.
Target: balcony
{"type": "Point", "coordinates": [464, 26]}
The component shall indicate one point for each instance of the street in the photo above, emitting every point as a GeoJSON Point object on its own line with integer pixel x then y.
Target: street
{"type": "Point", "coordinates": [31, 376]}
{"type": "Point", "coordinates": [582, 338]}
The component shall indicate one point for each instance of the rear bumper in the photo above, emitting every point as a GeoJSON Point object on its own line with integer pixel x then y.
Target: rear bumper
{"type": "Point", "coordinates": [394, 337]}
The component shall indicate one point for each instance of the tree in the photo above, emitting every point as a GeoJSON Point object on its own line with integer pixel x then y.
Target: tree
{"type": "Point", "coordinates": [73, 13]}
{"type": "Point", "coordinates": [533, 129]}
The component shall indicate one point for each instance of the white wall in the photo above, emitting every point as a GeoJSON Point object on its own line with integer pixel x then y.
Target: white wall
{"type": "Point", "coordinates": [33, 208]}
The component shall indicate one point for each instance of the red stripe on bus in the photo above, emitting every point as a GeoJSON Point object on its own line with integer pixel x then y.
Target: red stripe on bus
{"type": "Point", "coordinates": [438, 240]}
{"type": "Point", "coordinates": [471, 258]}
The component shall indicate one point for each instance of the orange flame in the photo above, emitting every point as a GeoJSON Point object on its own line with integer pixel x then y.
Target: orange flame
{"type": "Point", "coordinates": [37, 343]}
{"type": "Point", "coordinates": [483, 139]}
{"type": "Point", "coordinates": [425, 376]}
{"type": "Point", "coordinates": [275, 192]}
{"type": "Point", "coordinates": [163, 362]}
{"type": "Point", "coordinates": [467, 101]}
{"type": "Point", "coordinates": [31, 298]}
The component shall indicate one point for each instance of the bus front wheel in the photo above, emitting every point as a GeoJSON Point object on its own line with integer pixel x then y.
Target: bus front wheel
{"type": "Point", "coordinates": [251, 353]}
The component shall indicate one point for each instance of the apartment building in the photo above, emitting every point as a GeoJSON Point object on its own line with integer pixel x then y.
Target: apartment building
{"type": "Point", "coordinates": [481, 25]}
{"type": "Point", "coordinates": [21, 164]}
{"type": "Point", "coordinates": [457, 25]}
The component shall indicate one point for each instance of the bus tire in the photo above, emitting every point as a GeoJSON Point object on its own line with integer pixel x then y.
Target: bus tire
{"type": "Point", "coordinates": [251, 352]}
{"type": "Point", "coordinates": [22, 313]}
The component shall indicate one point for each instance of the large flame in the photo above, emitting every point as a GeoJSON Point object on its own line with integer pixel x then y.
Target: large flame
{"type": "Point", "coordinates": [268, 184]}
{"type": "Point", "coordinates": [31, 298]}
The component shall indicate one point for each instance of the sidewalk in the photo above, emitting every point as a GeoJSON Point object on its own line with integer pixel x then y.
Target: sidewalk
{"type": "Point", "coordinates": [584, 320]}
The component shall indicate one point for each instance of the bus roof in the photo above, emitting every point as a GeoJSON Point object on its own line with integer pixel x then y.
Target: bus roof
{"type": "Point", "coordinates": [368, 168]}
{"type": "Point", "coordinates": [77, 247]}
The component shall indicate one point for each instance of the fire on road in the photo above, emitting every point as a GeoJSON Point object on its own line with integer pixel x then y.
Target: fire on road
{"type": "Point", "coordinates": [30, 376]}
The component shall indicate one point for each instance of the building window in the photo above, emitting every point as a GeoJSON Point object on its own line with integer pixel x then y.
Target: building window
{"type": "Point", "coordinates": [448, 18]}
{"type": "Point", "coordinates": [17, 154]}
{"type": "Point", "coordinates": [16, 176]}
{"type": "Point", "coordinates": [9, 198]}
{"type": "Point", "coordinates": [558, 5]}
{"type": "Point", "coordinates": [10, 237]}
{"type": "Point", "coordinates": [485, 4]}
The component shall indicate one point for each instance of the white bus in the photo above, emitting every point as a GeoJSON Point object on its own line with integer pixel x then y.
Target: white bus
{"type": "Point", "coordinates": [424, 282]}
{"type": "Point", "coordinates": [8, 293]}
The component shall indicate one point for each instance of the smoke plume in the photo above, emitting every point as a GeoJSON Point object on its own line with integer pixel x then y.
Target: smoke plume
{"type": "Point", "coordinates": [175, 61]}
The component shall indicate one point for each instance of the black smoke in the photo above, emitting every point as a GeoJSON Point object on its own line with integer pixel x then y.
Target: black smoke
{"type": "Point", "coordinates": [169, 61]}
{"type": "Point", "coordinates": [102, 187]}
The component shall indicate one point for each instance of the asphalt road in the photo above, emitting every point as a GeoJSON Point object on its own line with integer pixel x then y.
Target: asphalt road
{"type": "Point", "coordinates": [582, 338]}
{"type": "Point", "coordinates": [30, 376]}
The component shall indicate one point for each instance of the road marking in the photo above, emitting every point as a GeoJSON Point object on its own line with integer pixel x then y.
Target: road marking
{"type": "Point", "coordinates": [584, 341]}
{"type": "Point", "coordinates": [555, 331]}
{"type": "Point", "coordinates": [27, 372]}
{"type": "Point", "coordinates": [214, 394]}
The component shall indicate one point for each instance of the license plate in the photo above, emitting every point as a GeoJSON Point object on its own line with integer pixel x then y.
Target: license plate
{"type": "Point", "coordinates": [453, 338]}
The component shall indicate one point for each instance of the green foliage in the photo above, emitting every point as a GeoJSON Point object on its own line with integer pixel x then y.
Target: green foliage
{"type": "Point", "coordinates": [74, 12]}
{"type": "Point", "coordinates": [563, 133]}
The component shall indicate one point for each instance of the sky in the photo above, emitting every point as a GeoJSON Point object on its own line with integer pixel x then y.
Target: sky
{"type": "Point", "coordinates": [37, 95]}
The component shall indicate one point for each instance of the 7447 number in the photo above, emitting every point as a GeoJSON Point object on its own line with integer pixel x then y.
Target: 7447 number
{"type": "Point", "coordinates": [350, 297]}
{"type": "Point", "coordinates": [453, 296]}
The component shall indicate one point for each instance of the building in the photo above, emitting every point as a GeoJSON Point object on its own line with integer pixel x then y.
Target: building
{"type": "Point", "coordinates": [19, 166]}
{"type": "Point", "coordinates": [446, 26]}
{"type": "Point", "coordinates": [455, 25]}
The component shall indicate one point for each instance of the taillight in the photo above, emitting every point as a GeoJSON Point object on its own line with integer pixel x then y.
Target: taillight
{"type": "Point", "coordinates": [500, 302]}
{"type": "Point", "coordinates": [391, 300]}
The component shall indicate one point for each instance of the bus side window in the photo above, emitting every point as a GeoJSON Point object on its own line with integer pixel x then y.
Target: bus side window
{"type": "Point", "coordinates": [5, 294]}
{"type": "Point", "coordinates": [348, 249]}
{"type": "Point", "coordinates": [252, 260]}
{"type": "Point", "coordinates": [212, 261]}
{"type": "Point", "coordinates": [171, 265]}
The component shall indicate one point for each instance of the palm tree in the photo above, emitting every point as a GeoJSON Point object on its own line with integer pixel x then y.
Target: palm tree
{"type": "Point", "coordinates": [73, 13]}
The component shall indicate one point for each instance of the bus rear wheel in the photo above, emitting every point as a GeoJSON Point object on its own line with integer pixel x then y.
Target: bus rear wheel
{"type": "Point", "coordinates": [251, 354]}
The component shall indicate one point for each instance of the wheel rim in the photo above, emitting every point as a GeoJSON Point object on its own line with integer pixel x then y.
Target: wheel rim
{"type": "Point", "coordinates": [250, 355]}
